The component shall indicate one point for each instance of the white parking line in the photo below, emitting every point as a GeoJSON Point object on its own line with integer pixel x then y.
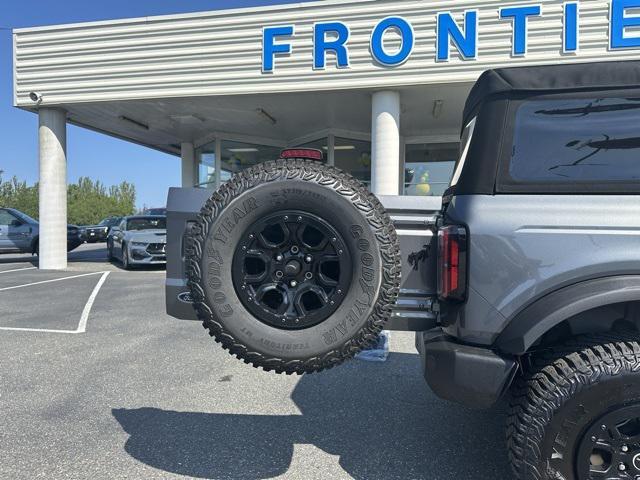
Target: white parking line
{"type": "Point", "coordinates": [82, 325]}
{"type": "Point", "coordinates": [49, 281]}
{"type": "Point", "coordinates": [16, 270]}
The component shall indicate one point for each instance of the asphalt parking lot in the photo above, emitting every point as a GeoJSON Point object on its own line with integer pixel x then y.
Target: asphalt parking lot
{"type": "Point", "coordinates": [96, 381]}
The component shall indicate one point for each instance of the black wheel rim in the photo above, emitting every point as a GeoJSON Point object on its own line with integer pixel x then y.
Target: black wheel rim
{"type": "Point", "coordinates": [291, 270]}
{"type": "Point", "coordinates": [610, 448]}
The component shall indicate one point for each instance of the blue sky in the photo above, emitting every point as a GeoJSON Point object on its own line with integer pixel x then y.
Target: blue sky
{"type": "Point", "coordinates": [89, 154]}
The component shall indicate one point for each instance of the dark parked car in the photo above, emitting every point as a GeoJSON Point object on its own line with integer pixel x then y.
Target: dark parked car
{"type": "Point", "coordinates": [139, 240]}
{"type": "Point", "coordinates": [155, 211]}
{"type": "Point", "coordinates": [99, 232]}
{"type": "Point", "coordinates": [20, 233]}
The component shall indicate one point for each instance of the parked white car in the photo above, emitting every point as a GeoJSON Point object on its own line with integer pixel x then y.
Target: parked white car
{"type": "Point", "coordinates": [139, 240]}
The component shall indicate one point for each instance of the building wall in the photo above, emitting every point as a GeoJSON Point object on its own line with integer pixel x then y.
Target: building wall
{"type": "Point", "coordinates": [219, 53]}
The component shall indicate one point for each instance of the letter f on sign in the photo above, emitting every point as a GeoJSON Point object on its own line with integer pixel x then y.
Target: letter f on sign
{"type": "Point", "coordinates": [270, 48]}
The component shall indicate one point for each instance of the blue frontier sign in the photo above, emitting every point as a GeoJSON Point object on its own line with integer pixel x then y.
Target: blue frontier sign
{"type": "Point", "coordinates": [334, 36]}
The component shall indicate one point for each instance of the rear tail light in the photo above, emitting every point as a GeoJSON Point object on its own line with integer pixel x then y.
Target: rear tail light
{"type": "Point", "coordinates": [452, 263]}
{"type": "Point", "coordinates": [306, 153]}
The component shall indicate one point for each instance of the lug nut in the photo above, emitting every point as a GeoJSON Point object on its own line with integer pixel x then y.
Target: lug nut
{"type": "Point", "coordinates": [308, 275]}
{"type": "Point", "coordinates": [279, 258]}
{"type": "Point", "coordinates": [294, 249]}
{"type": "Point", "coordinates": [622, 467]}
{"type": "Point", "coordinates": [625, 448]}
{"type": "Point", "coordinates": [251, 237]}
{"type": "Point", "coordinates": [308, 259]}
{"type": "Point", "coordinates": [286, 218]}
{"type": "Point", "coordinates": [299, 219]}
{"type": "Point", "coordinates": [279, 274]}
{"type": "Point", "coordinates": [293, 283]}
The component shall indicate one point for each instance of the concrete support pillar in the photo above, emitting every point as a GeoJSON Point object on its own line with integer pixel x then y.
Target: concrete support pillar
{"type": "Point", "coordinates": [189, 167]}
{"type": "Point", "coordinates": [52, 137]}
{"type": "Point", "coordinates": [385, 143]}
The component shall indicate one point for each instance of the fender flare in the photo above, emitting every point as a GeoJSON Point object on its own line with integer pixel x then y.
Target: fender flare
{"type": "Point", "coordinates": [527, 326]}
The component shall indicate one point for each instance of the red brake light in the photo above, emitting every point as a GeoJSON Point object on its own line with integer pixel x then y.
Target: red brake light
{"type": "Point", "coordinates": [452, 263]}
{"type": "Point", "coordinates": [306, 153]}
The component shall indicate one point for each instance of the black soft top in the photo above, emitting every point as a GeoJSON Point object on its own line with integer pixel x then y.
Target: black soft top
{"type": "Point", "coordinates": [552, 79]}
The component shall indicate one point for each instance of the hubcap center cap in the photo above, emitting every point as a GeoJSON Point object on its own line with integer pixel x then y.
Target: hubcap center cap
{"type": "Point", "coordinates": [292, 268]}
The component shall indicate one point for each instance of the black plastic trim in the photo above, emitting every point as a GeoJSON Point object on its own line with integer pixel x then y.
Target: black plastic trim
{"type": "Point", "coordinates": [530, 324]}
{"type": "Point", "coordinates": [472, 376]}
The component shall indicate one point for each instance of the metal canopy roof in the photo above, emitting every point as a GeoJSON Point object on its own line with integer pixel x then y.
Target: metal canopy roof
{"type": "Point", "coordinates": [277, 119]}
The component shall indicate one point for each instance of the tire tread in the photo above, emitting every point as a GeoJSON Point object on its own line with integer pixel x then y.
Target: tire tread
{"type": "Point", "coordinates": [555, 375]}
{"type": "Point", "coordinates": [343, 184]}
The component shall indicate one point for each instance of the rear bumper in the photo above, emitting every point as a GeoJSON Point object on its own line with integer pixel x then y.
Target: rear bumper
{"type": "Point", "coordinates": [472, 376]}
{"type": "Point", "coordinates": [96, 237]}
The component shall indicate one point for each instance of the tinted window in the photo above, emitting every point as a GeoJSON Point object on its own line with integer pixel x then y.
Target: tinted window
{"type": "Point", "coordinates": [24, 217]}
{"type": "Point", "coordinates": [147, 223]}
{"type": "Point", "coordinates": [576, 141]}
{"type": "Point", "coordinates": [6, 218]}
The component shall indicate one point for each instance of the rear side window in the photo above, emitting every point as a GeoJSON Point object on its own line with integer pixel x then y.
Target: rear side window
{"type": "Point", "coordinates": [576, 141]}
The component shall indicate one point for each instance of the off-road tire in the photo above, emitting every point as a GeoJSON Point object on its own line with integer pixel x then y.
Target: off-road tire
{"type": "Point", "coordinates": [292, 183]}
{"type": "Point", "coordinates": [561, 394]}
{"type": "Point", "coordinates": [126, 265]}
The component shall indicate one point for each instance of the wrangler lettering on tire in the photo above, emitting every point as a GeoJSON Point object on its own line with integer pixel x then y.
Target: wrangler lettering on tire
{"type": "Point", "coordinates": [293, 266]}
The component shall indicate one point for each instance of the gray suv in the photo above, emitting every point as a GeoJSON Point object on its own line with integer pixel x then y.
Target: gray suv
{"type": "Point", "coordinates": [19, 233]}
{"type": "Point", "coordinates": [522, 281]}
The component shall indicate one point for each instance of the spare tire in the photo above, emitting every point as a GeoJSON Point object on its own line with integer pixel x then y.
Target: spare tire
{"type": "Point", "coordinates": [293, 266]}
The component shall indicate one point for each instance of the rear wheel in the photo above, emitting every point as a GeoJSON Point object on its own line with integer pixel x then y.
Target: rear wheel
{"type": "Point", "coordinates": [576, 414]}
{"type": "Point", "coordinates": [293, 266]}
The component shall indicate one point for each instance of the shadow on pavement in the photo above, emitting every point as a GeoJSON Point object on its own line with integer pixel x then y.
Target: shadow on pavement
{"type": "Point", "coordinates": [87, 256]}
{"type": "Point", "coordinates": [19, 258]}
{"type": "Point", "coordinates": [379, 418]}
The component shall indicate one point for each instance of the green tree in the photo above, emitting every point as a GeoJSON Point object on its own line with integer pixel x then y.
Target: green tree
{"type": "Point", "coordinates": [88, 201]}
{"type": "Point", "coordinates": [17, 194]}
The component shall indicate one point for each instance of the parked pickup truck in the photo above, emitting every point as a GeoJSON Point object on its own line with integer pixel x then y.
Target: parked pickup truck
{"type": "Point", "coordinates": [522, 280]}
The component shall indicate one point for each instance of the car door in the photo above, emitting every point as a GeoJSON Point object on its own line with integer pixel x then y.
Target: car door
{"type": "Point", "coordinates": [118, 235]}
{"type": "Point", "coordinates": [16, 233]}
{"type": "Point", "coordinates": [5, 220]}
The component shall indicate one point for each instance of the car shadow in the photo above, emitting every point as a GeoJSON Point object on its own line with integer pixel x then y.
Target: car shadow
{"type": "Point", "coordinates": [19, 258]}
{"type": "Point", "coordinates": [380, 419]}
{"type": "Point", "coordinates": [98, 254]}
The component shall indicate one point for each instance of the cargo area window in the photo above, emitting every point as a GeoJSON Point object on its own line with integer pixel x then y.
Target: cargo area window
{"type": "Point", "coordinates": [576, 141]}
